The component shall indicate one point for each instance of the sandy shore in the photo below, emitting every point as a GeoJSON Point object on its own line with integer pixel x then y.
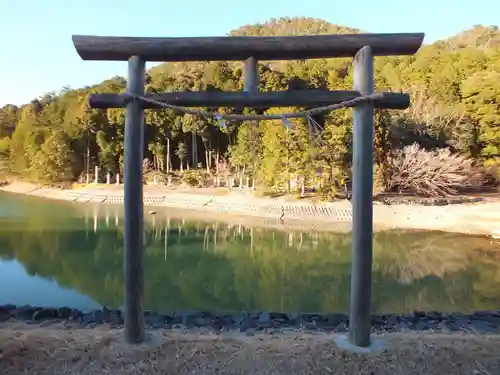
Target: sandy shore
{"type": "Point", "coordinates": [481, 218]}
{"type": "Point", "coordinates": [55, 350]}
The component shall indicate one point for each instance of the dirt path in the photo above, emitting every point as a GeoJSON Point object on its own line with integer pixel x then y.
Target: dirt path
{"type": "Point", "coordinates": [56, 351]}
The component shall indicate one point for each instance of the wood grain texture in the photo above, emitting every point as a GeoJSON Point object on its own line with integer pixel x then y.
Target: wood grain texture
{"type": "Point", "coordinates": [251, 75]}
{"type": "Point", "coordinates": [111, 48]}
{"type": "Point", "coordinates": [360, 299]}
{"type": "Point", "coordinates": [133, 206]}
{"type": "Point", "coordinates": [215, 99]}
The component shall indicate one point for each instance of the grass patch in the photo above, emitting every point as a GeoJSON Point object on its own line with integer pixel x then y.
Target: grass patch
{"type": "Point", "coordinates": [268, 193]}
{"type": "Point", "coordinates": [78, 185]}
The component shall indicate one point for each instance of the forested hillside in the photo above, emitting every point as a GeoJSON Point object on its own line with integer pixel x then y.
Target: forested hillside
{"type": "Point", "coordinates": [453, 123]}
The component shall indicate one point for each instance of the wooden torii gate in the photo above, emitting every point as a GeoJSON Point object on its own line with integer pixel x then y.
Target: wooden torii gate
{"type": "Point", "coordinates": [138, 50]}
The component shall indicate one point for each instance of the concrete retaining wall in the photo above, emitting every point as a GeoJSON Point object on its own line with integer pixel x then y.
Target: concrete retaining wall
{"type": "Point", "coordinates": [222, 204]}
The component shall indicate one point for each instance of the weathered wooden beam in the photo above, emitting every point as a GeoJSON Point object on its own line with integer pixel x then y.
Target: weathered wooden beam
{"type": "Point", "coordinates": [215, 99]}
{"type": "Point", "coordinates": [112, 48]}
{"type": "Point", "coordinates": [362, 205]}
{"type": "Point", "coordinates": [251, 75]}
{"type": "Point", "coordinates": [251, 79]}
{"type": "Point", "coordinates": [133, 202]}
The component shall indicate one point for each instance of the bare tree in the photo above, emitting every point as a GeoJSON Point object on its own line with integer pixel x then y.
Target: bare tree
{"type": "Point", "coordinates": [433, 173]}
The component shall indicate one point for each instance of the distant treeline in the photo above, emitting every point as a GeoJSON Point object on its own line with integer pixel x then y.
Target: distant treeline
{"type": "Point", "coordinates": [454, 86]}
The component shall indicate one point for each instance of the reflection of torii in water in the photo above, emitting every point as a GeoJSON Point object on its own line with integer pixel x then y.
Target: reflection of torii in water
{"type": "Point", "coordinates": [166, 238]}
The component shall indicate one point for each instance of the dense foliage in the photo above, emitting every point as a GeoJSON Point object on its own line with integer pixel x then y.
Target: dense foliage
{"type": "Point", "coordinates": [454, 83]}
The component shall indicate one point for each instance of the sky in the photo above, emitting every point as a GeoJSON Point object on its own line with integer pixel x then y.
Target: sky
{"type": "Point", "coordinates": [37, 54]}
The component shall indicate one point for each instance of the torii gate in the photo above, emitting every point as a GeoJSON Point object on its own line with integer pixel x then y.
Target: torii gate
{"type": "Point", "coordinates": [138, 50]}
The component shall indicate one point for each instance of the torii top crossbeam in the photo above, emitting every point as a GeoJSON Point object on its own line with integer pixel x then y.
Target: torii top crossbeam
{"type": "Point", "coordinates": [111, 48]}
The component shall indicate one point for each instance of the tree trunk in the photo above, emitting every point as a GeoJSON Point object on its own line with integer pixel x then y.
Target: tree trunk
{"type": "Point", "coordinates": [217, 167]}
{"type": "Point", "coordinates": [196, 159]}
{"type": "Point", "coordinates": [87, 167]}
{"type": "Point", "coordinates": [242, 171]}
{"type": "Point", "coordinates": [168, 155]}
{"type": "Point", "coordinates": [161, 161]}
{"type": "Point", "coordinates": [194, 151]}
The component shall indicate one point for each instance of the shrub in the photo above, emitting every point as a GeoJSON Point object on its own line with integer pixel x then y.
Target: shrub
{"type": "Point", "coordinates": [493, 171]}
{"type": "Point", "coordinates": [433, 173]}
{"type": "Point", "coordinates": [195, 177]}
{"type": "Point", "coordinates": [149, 177]}
{"type": "Point", "coordinates": [379, 178]}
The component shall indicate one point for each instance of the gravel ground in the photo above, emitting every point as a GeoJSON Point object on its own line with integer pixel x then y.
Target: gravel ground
{"type": "Point", "coordinates": [52, 350]}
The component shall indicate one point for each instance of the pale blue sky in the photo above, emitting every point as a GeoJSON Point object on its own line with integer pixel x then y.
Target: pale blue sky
{"type": "Point", "coordinates": [37, 54]}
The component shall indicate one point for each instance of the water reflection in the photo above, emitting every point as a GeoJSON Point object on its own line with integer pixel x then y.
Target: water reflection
{"type": "Point", "coordinates": [218, 266]}
{"type": "Point", "coordinates": [24, 289]}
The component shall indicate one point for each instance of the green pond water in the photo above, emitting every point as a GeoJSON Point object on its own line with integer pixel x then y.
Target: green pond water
{"type": "Point", "coordinates": [67, 254]}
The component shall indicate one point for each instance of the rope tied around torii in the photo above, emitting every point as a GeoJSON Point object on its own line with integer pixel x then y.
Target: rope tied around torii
{"type": "Point", "coordinates": [300, 114]}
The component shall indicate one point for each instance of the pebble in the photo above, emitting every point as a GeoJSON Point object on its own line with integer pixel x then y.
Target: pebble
{"type": "Point", "coordinates": [4, 315]}
{"type": "Point", "coordinates": [115, 318]}
{"type": "Point", "coordinates": [248, 324]}
{"type": "Point", "coordinates": [270, 322]}
{"type": "Point", "coordinates": [264, 319]}
{"type": "Point", "coordinates": [44, 314]}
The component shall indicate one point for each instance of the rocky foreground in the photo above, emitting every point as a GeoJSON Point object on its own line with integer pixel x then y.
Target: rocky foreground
{"type": "Point", "coordinates": [64, 341]}
{"type": "Point", "coordinates": [253, 322]}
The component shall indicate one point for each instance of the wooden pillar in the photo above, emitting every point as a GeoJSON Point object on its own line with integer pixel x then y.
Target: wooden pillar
{"type": "Point", "coordinates": [251, 84]}
{"type": "Point", "coordinates": [362, 208]}
{"type": "Point", "coordinates": [251, 75]}
{"type": "Point", "coordinates": [133, 196]}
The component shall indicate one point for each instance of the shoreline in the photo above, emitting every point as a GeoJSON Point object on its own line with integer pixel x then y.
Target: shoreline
{"type": "Point", "coordinates": [476, 218]}
{"type": "Point", "coordinates": [251, 323]}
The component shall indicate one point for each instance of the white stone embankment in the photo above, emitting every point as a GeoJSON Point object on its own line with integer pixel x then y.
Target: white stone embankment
{"type": "Point", "coordinates": [482, 218]}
